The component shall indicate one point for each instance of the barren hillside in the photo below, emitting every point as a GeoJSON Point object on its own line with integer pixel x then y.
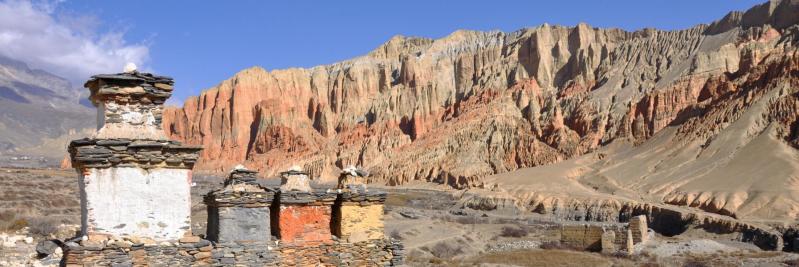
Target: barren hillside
{"type": "Point", "coordinates": [703, 117]}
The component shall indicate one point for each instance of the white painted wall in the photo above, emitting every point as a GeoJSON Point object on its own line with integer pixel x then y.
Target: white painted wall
{"type": "Point", "coordinates": [131, 201]}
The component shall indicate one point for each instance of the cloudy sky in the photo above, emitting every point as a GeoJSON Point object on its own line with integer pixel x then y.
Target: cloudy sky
{"type": "Point", "coordinates": [201, 43]}
{"type": "Point", "coordinates": [65, 44]}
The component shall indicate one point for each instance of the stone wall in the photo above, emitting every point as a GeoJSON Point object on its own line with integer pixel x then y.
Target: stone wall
{"type": "Point", "coordinates": [127, 252]}
{"type": "Point", "coordinates": [639, 228]}
{"type": "Point", "coordinates": [193, 251]}
{"type": "Point", "coordinates": [587, 237]}
{"type": "Point", "coordinates": [121, 152]}
{"type": "Point", "coordinates": [605, 238]}
{"type": "Point", "coordinates": [379, 252]}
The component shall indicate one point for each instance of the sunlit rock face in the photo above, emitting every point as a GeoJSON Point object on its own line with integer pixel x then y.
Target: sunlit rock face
{"type": "Point", "coordinates": [472, 104]}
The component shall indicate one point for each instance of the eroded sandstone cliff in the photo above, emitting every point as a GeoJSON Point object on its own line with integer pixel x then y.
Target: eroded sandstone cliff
{"type": "Point", "coordinates": [690, 104]}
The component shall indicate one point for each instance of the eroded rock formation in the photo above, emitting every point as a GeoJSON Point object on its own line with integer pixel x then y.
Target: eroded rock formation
{"type": "Point", "coordinates": [473, 104]}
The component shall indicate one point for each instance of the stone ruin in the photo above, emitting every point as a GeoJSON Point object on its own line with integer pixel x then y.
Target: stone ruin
{"type": "Point", "coordinates": [135, 191]}
{"type": "Point", "coordinates": [605, 238]}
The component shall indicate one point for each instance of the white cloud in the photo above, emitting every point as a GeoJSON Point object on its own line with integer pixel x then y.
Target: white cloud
{"type": "Point", "coordinates": [63, 44]}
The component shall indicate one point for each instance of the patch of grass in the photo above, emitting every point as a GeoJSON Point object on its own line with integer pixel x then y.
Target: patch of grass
{"type": "Point", "coordinates": [510, 231]}
{"type": "Point", "coordinates": [553, 245]}
{"type": "Point", "coordinates": [468, 220]}
{"type": "Point", "coordinates": [42, 226]}
{"type": "Point", "coordinates": [446, 250]}
{"type": "Point", "coordinates": [11, 221]}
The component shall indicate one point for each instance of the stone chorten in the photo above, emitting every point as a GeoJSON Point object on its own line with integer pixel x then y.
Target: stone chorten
{"type": "Point", "coordinates": [240, 210]}
{"type": "Point", "coordinates": [133, 181]}
{"type": "Point", "coordinates": [304, 214]}
{"type": "Point", "coordinates": [358, 212]}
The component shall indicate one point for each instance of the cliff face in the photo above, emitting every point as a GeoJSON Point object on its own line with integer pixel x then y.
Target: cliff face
{"type": "Point", "coordinates": [472, 104]}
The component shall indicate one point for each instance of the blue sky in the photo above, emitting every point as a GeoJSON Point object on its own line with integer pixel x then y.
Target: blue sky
{"type": "Point", "coordinates": [201, 43]}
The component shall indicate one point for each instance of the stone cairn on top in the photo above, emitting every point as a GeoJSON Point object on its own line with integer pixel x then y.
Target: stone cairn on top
{"type": "Point", "coordinates": [130, 104]}
{"type": "Point", "coordinates": [295, 179]}
{"type": "Point", "coordinates": [353, 179]}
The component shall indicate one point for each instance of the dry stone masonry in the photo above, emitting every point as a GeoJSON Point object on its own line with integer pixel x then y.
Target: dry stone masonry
{"type": "Point", "coordinates": [239, 211]}
{"type": "Point", "coordinates": [605, 238]}
{"type": "Point", "coordinates": [133, 182]}
{"type": "Point", "coordinates": [135, 199]}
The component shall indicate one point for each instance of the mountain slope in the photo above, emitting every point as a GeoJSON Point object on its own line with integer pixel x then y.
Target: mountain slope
{"type": "Point", "coordinates": [661, 114]}
{"type": "Point", "coordinates": [38, 110]}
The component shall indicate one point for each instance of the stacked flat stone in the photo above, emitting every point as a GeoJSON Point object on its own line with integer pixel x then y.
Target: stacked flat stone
{"type": "Point", "coordinates": [241, 189]}
{"type": "Point", "coordinates": [153, 88]}
{"type": "Point", "coordinates": [352, 178]}
{"type": "Point", "coordinates": [122, 152]}
{"type": "Point", "coordinates": [131, 252]}
{"type": "Point", "coordinates": [371, 253]}
{"type": "Point", "coordinates": [240, 211]}
{"type": "Point", "coordinates": [364, 198]}
{"type": "Point", "coordinates": [397, 252]}
{"type": "Point", "coordinates": [199, 252]}
{"type": "Point", "coordinates": [242, 175]}
{"type": "Point", "coordinates": [245, 254]}
{"type": "Point", "coordinates": [191, 251]}
{"type": "Point", "coordinates": [130, 105]}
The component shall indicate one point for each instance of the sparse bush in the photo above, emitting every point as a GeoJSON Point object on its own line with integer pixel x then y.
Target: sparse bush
{"type": "Point", "coordinates": [42, 225]}
{"type": "Point", "coordinates": [10, 222]}
{"type": "Point", "coordinates": [13, 224]}
{"type": "Point", "coordinates": [620, 255]}
{"type": "Point", "coordinates": [508, 231]}
{"type": "Point", "coordinates": [19, 224]}
{"type": "Point", "coordinates": [468, 220]}
{"type": "Point", "coordinates": [7, 216]}
{"type": "Point", "coordinates": [446, 250]}
{"type": "Point", "coordinates": [558, 245]}
{"type": "Point", "coordinates": [551, 245]}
